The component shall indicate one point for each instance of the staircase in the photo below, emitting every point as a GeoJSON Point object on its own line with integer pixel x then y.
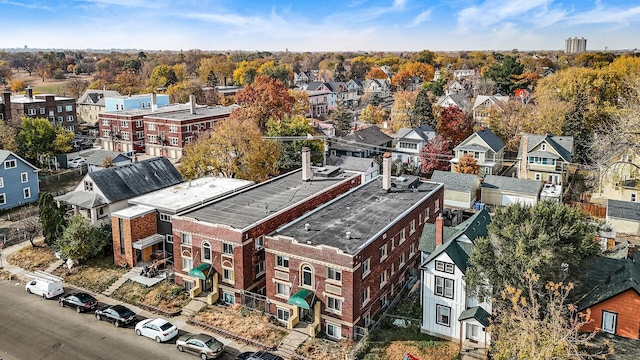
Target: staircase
{"type": "Point", "coordinates": [469, 352]}
{"type": "Point", "coordinates": [288, 346]}
{"type": "Point", "coordinates": [116, 285]}
{"type": "Point", "coordinates": [56, 264]}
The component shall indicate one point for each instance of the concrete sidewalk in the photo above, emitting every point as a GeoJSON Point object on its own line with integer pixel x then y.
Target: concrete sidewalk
{"type": "Point", "coordinates": [18, 274]}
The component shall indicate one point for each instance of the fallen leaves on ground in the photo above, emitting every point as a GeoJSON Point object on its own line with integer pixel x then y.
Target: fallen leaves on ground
{"type": "Point", "coordinates": [165, 296]}
{"type": "Point", "coordinates": [321, 349]}
{"type": "Point", "coordinates": [33, 258]}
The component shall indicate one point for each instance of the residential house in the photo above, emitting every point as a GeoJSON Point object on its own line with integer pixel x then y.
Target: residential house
{"type": "Point", "coordinates": [464, 73]}
{"type": "Point", "coordinates": [300, 79]}
{"type": "Point", "coordinates": [336, 92]}
{"type": "Point", "coordinates": [140, 101]}
{"type": "Point", "coordinates": [624, 216]}
{"type": "Point", "coordinates": [143, 230]}
{"type": "Point", "coordinates": [461, 191]}
{"type": "Point", "coordinates": [483, 104]}
{"type": "Point", "coordinates": [219, 246]}
{"type": "Point", "coordinates": [91, 104]}
{"type": "Point", "coordinates": [335, 268]}
{"type": "Point", "coordinates": [460, 87]}
{"type": "Point", "coordinates": [504, 191]}
{"type": "Point", "coordinates": [380, 87]}
{"type": "Point", "coordinates": [544, 157]}
{"type": "Point", "coordinates": [448, 311]}
{"type": "Point", "coordinates": [19, 183]}
{"type": "Point", "coordinates": [355, 89]}
{"type": "Point", "coordinates": [97, 159]}
{"type": "Point", "coordinates": [368, 168]}
{"type": "Point", "coordinates": [409, 144]}
{"type": "Point", "coordinates": [58, 109]}
{"type": "Point", "coordinates": [487, 149]}
{"type": "Point", "coordinates": [523, 95]}
{"type": "Point", "coordinates": [461, 101]}
{"type": "Point", "coordinates": [618, 179]}
{"type": "Point", "coordinates": [365, 142]}
{"type": "Point", "coordinates": [611, 292]}
{"type": "Point", "coordinates": [103, 192]}
{"type": "Point", "coordinates": [318, 103]}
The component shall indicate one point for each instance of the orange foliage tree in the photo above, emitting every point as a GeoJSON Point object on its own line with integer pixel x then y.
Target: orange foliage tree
{"type": "Point", "coordinates": [467, 165]}
{"type": "Point", "coordinates": [266, 98]}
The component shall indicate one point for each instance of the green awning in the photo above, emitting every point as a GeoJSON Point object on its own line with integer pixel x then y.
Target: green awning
{"type": "Point", "coordinates": [198, 271]}
{"type": "Point", "coordinates": [302, 299]}
{"type": "Point", "coordinates": [476, 313]}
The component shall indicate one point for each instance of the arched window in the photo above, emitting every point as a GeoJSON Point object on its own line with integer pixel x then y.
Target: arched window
{"type": "Point", "coordinates": [307, 275]}
{"type": "Point", "coordinates": [206, 251]}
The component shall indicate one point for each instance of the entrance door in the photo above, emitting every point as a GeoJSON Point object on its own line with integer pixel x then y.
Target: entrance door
{"type": "Point", "coordinates": [473, 332]}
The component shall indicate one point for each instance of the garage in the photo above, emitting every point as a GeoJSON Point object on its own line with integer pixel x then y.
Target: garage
{"type": "Point", "coordinates": [512, 199]}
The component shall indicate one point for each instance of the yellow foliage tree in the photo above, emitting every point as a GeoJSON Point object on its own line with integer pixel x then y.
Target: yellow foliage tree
{"type": "Point", "coordinates": [401, 113]}
{"type": "Point", "coordinates": [421, 70]}
{"type": "Point", "coordinates": [17, 85]}
{"type": "Point", "coordinates": [372, 114]}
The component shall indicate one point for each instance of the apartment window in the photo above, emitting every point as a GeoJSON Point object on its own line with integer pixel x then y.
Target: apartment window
{"type": "Point", "coordinates": [60, 119]}
{"type": "Point", "coordinates": [152, 139]}
{"type": "Point", "coordinates": [444, 287]}
{"type": "Point", "coordinates": [401, 261]}
{"type": "Point", "coordinates": [139, 134]}
{"type": "Point", "coordinates": [31, 111]}
{"type": "Point", "coordinates": [125, 135]}
{"type": "Point", "coordinates": [283, 314]}
{"type": "Point", "coordinates": [227, 249]}
{"type": "Point", "coordinates": [420, 219]}
{"type": "Point", "coordinates": [307, 276]}
{"type": "Point", "coordinates": [1, 182]}
{"type": "Point", "coordinates": [10, 164]}
{"type": "Point", "coordinates": [51, 114]}
{"type": "Point", "coordinates": [383, 279]}
{"type": "Point", "coordinates": [259, 242]}
{"type": "Point", "coordinates": [186, 239]}
{"type": "Point", "coordinates": [105, 122]}
{"type": "Point", "coordinates": [3, 199]}
{"type": "Point", "coordinates": [412, 226]}
{"type": "Point", "coordinates": [609, 321]}
{"type": "Point", "coordinates": [69, 107]}
{"type": "Point", "coordinates": [42, 111]}
{"type": "Point", "coordinates": [188, 128]}
{"type": "Point", "coordinates": [227, 275]}
{"type": "Point", "coordinates": [383, 252]}
{"type": "Point", "coordinates": [538, 176]}
{"type": "Point", "coordinates": [24, 177]}
{"type": "Point", "coordinates": [106, 133]}
{"type": "Point", "coordinates": [403, 235]}
{"type": "Point", "coordinates": [334, 303]}
{"type": "Point", "coordinates": [138, 123]}
{"type": "Point", "coordinates": [173, 128]}
{"type": "Point", "coordinates": [260, 268]}
{"type": "Point", "coordinates": [634, 197]}
{"type": "Point", "coordinates": [366, 267]}
{"type": "Point", "coordinates": [169, 238]}
{"type": "Point", "coordinates": [69, 118]}
{"type": "Point", "coordinates": [334, 331]}
{"type": "Point", "coordinates": [152, 126]}
{"type": "Point", "coordinates": [228, 298]}
{"type": "Point", "coordinates": [26, 192]}
{"type": "Point", "coordinates": [123, 124]}
{"type": "Point", "coordinates": [445, 267]}
{"type": "Point", "coordinates": [282, 261]}
{"type": "Point", "coordinates": [206, 251]}
{"type": "Point", "coordinates": [443, 315]}
{"type": "Point", "coordinates": [187, 263]}
{"type": "Point", "coordinates": [334, 274]}
{"type": "Point", "coordinates": [88, 186]}
{"type": "Point", "coordinates": [412, 249]}
{"type": "Point", "coordinates": [173, 141]}
{"type": "Point", "coordinates": [437, 205]}
{"type": "Point", "coordinates": [543, 147]}
{"type": "Point", "coordinates": [282, 289]}
{"type": "Point", "coordinates": [366, 296]}
{"type": "Point", "coordinates": [59, 108]}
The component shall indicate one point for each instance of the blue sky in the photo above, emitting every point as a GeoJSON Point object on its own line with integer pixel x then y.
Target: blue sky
{"type": "Point", "coordinates": [330, 25]}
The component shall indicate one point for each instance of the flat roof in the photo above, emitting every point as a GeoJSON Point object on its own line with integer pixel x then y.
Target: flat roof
{"type": "Point", "coordinates": [185, 114]}
{"type": "Point", "coordinates": [265, 199]}
{"type": "Point", "coordinates": [188, 194]}
{"type": "Point", "coordinates": [352, 220]}
{"type": "Point", "coordinates": [148, 111]}
{"type": "Point", "coordinates": [133, 211]}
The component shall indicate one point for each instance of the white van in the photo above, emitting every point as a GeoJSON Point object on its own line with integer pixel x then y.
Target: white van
{"type": "Point", "coordinates": [44, 284]}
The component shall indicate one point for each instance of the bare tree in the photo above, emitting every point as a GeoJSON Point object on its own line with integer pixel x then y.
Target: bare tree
{"type": "Point", "coordinates": [28, 226]}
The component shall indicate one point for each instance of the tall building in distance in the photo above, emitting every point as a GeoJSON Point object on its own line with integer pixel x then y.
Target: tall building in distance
{"type": "Point", "coordinates": [575, 45]}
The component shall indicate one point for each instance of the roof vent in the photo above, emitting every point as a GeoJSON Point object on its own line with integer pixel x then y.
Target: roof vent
{"type": "Point", "coordinates": [348, 234]}
{"type": "Point", "coordinates": [401, 179]}
{"type": "Point", "coordinates": [307, 227]}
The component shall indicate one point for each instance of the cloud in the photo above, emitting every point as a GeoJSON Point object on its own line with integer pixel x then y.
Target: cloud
{"type": "Point", "coordinates": [224, 19]}
{"type": "Point", "coordinates": [399, 4]}
{"type": "Point", "coordinates": [489, 13]}
{"type": "Point", "coordinates": [420, 18]}
{"type": "Point", "coordinates": [28, 6]}
{"type": "Point", "coordinates": [127, 3]}
{"type": "Point", "coordinates": [601, 15]}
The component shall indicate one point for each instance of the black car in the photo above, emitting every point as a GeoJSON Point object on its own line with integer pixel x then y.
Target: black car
{"type": "Point", "coordinates": [80, 300]}
{"type": "Point", "coordinates": [118, 314]}
{"type": "Point", "coordinates": [258, 355]}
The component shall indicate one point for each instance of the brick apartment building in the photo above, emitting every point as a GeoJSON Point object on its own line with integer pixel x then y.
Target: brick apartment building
{"type": "Point", "coordinates": [158, 131]}
{"type": "Point", "coordinates": [59, 110]}
{"type": "Point", "coordinates": [336, 267]}
{"type": "Point", "coordinates": [219, 247]}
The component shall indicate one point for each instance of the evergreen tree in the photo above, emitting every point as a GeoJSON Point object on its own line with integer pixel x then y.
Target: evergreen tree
{"type": "Point", "coordinates": [574, 125]}
{"type": "Point", "coordinates": [341, 118]}
{"type": "Point", "coordinates": [502, 73]}
{"type": "Point", "coordinates": [51, 218]}
{"type": "Point", "coordinates": [423, 110]}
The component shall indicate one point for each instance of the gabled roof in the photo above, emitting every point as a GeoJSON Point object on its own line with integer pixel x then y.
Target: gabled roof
{"type": "Point", "coordinates": [522, 186]}
{"type": "Point", "coordinates": [4, 154]}
{"type": "Point", "coordinates": [455, 181]}
{"type": "Point", "coordinates": [474, 227]}
{"type": "Point", "coordinates": [627, 210]}
{"type": "Point", "coordinates": [455, 251]}
{"type": "Point", "coordinates": [370, 136]}
{"type": "Point", "coordinates": [97, 157]}
{"type": "Point", "coordinates": [96, 97]}
{"type": "Point", "coordinates": [422, 131]}
{"type": "Point", "coordinates": [336, 86]}
{"type": "Point", "coordinates": [461, 101]}
{"type": "Point", "coordinates": [480, 99]}
{"type": "Point", "coordinates": [490, 138]}
{"type": "Point", "coordinates": [315, 85]}
{"type": "Point", "coordinates": [477, 313]}
{"type": "Point", "coordinates": [84, 199]}
{"type": "Point", "coordinates": [130, 180]}
{"type": "Point", "coordinates": [562, 144]}
{"type": "Point", "coordinates": [607, 278]}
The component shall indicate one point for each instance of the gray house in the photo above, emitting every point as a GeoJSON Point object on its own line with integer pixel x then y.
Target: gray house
{"type": "Point", "coordinates": [96, 160]}
{"type": "Point", "coordinates": [460, 190]}
{"type": "Point", "coordinates": [486, 147]}
{"type": "Point", "coordinates": [624, 216]}
{"type": "Point", "coordinates": [18, 181]}
{"type": "Point", "coordinates": [504, 191]}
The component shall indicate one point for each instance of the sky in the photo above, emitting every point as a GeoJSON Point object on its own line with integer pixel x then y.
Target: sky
{"type": "Point", "coordinates": [321, 25]}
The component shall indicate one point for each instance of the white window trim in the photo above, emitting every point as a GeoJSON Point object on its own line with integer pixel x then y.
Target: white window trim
{"type": "Point", "coordinates": [24, 177]}
{"type": "Point", "coordinates": [337, 327]}
{"type": "Point", "coordinates": [438, 306]}
{"type": "Point", "coordinates": [25, 191]}
{"type": "Point", "coordinates": [615, 321]}
{"type": "Point", "coordinates": [3, 197]}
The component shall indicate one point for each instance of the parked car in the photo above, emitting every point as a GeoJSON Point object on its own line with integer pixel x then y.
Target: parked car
{"type": "Point", "coordinates": [158, 329]}
{"type": "Point", "coordinates": [118, 314]}
{"type": "Point", "coordinates": [80, 300]}
{"type": "Point", "coordinates": [44, 284]}
{"type": "Point", "coordinates": [258, 355]}
{"type": "Point", "coordinates": [203, 345]}
{"type": "Point", "coordinates": [76, 162]}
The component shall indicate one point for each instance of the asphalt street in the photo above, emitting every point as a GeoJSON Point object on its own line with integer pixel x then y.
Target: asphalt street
{"type": "Point", "coordinates": [32, 328]}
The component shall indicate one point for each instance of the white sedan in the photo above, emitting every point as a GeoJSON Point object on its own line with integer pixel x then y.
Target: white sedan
{"type": "Point", "coordinates": [76, 162]}
{"type": "Point", "coordinates": [158, 329]}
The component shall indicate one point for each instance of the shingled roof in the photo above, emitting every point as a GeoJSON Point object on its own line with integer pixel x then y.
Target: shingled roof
{"type": "Point", "coordinates": [474, 227]}
{"type": "Point", "coordinates": [607, 278]}
{"type": "Point", "coordinates": [454, 181]}
{"type": "Point", "coordinates": [562, 144]}
{"type": "Point", "coordinates": [522, 186]}
{"type": "Point", "coordinates": [626, 210]}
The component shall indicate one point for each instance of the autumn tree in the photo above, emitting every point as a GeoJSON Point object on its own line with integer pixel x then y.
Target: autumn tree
{"type": "Point", "coordinates": [402, 110]}
{"type": "Point", "coordinates": [266, 98]}
{"type": "Point", "coordinates": [5, 73]}
{"type": "Point", "coordinates": [301, 102]}
{"type": "Point", "coordinates": [51, 218]}
{"type": "Point", "coordinates": [8, 135]}
{"type": "Point", "coordinates": [234, 149]}
{"type": "Point", "coordinates": [421, 70]}
{"type": "Point", "coordinates": [553, 240]}
{"type": "Point", "coordinates": [435, 155]}
{"type": "Point", "coordinates": [76, 87]}
{"type": "Point", "coordinates": [372, 114]}
{"type": "Point", "coordinates": [540, 323]}
{"type": "Point", "coordinates": [28, 224]}
{"type": "Point", "coordinates": [425, 57]}
{"type": "Point", "coordinates": [40, 137]}
{"type": "Point", "coordinates": [341, 118]}
{"type": "Point", "coordinates": [423, 110]}
{"type": "Point", "coordinates": [467, 165]}
{"type": "Point", "coordinates": [291, 151]}
{"type": "Point", "coordinates": [454, 125]}
{"type": "Point", "coordinates": [17, 85]}
{"type": "Point", "coordinates": [375, 73]}
{"type": "Point", "coordinates": [509, 119]}
{"type": "Point", "coordinates": [81, 240]}
{"type": "Point", "coordinates": [401, 79]}
{"type": "Point", "coordinates": [576, 127]}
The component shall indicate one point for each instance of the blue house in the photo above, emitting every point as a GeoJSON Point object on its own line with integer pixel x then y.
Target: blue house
{"type": "Point", "coordinates": [18, 181]}
{"type": "Point", "coordinates": [142, 101]}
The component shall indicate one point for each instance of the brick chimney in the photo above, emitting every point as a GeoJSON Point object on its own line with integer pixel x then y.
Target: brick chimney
{"type": "Point", "coordinates": [29, 92]}
{"type": "Point", "coordinates": [439, 230]}
{"type": "Point", "coordinates": [306, 164]}
{"type": "Point", "coordinates": [192, 101]}
{"type": "Point", "coordinates": [522, 174]}
{"type": "Point", "coordinates": [386, 171]}
{"type": "Point", "coordinates": [6, 98]}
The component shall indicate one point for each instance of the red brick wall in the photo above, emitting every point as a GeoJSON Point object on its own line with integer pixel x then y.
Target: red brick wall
{"type": "Point", "coordinates": [133, 230]}
{"type": "Point", "coordinates": [626, 305]}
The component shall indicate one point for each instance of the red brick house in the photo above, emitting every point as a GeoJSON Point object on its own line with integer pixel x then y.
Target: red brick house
{"type": "Point", "coordinates": [219, 247]}
{"type": "Point", "coordinates": [59, 110]}
{"type": "Point", "coordinates": [613, 297]}
{"type": "Point", "coordinates": [336, 267]}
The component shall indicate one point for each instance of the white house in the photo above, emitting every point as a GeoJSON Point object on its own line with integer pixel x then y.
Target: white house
{"type": "Point", "coordinates": [447, 310]}
{"type": "Point", "coordinates": [409, 143]}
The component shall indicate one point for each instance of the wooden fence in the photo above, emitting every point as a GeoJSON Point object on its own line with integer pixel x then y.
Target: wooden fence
{"type": "Point", "coordinates": [592, 209]}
